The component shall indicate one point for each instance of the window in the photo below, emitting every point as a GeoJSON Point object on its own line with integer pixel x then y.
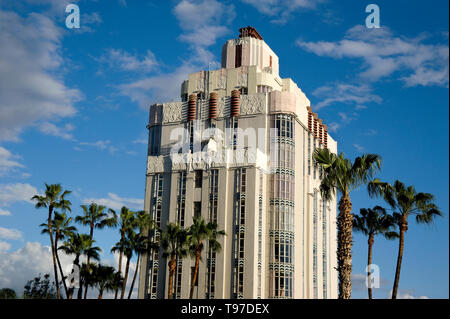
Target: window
{"type": "Point", "coordinates": [197, 209]}
{"type": "Point", "coordinates": [233, 125]}
{"type": "Point", "coordinates": [154, 140]}
{"type": "Point", "coordinates": [198, 179]}
{"type": "Point", "coordinates": [238, 56]}
{"type": "Point", "coordinates": [315, 208]}
{"type": "Point", "coordinates": [243, 90]}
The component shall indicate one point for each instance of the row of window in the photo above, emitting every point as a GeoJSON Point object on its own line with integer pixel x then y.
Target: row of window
{"type": "Point", "coordinates": [282, 208]}
{"type": "Point", "coordinates": [213, 205]}
{"type": "Point", "coordinates": [239, 234]}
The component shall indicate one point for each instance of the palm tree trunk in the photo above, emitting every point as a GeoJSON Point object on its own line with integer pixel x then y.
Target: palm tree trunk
{"type": "Point", "coordinates": [125, 278]}
{"type": "Point", "coordinates": [344, 251]}
{"type": "Point", "coordinates": [134, 276]}
{"type": "Point", "coordinates": [100, 294]}
{"type": "Point", "coordinates": [60, 268]}
{"type": "Point", "coordinates": [172, 267]}
{"type": "Point", "coordinates": [50, 232]}
{"type": "Point", "coordinates": [194, 279]}
{"type": "Point", "coordinates": [122, 235]}
{"type": "Point", "coordinates": [403, 229]}
{"type": "Point", "coordinates": [369, 265]}
{"type": "Point", "coordinates": [91, 236]}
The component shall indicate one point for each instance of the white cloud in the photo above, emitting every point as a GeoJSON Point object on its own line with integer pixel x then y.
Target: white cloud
{"type": "Point", "coordinates": [384, 54]}
{"type": "Point", "coordinates": [157, 88]}
{"type": "Point", "coordinates": [29, 88]}
{"type": "Point", "coordinates": [202, 23]}
{"type": "Point", "coordinates": [51, 129]}
{"type": "Point", "coordinates": [4, 212]}
{"type": "Point", "coordinates": [8, 162]}
{"type": "Point", "coordinates": [355, 94]}
{"type": "Point", "coordinates": [281, 10]}
{"type": "Point", "coordinates": [359, 148]}
{"type": "Point", "coordinates": [101, 145]}
{"type": "Point", "coordinates": [9, 233]}
{"type": "Point", "coordinates": [125, 61]}
{"type": "Point", "coordinates": [11, 193]}
{"type": "Point", "coordinates": [19, 266]}
{"type": "Point", "coordinates": [116, 202]}
{"type": "Point", "coordinates": [4, 246]}
{"type": "Point", "coordinates": [406, 294]}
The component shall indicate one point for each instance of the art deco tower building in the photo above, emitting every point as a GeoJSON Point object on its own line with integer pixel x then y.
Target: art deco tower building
{"type": "Point", "coordinates": [280, 234]}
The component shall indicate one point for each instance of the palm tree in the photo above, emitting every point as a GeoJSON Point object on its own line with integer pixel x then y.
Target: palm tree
{"type": "Point", "coordinates": [79, 245]}
{"type": "Point", "coordinates": [198, 232]}
{"type": "Point", "coordinates": [173, 242]}
{"type": "Point", "coordinates": [126, 222]}
{"type": "Point", "coordinates": [54, 198]}
{"type": "Point", "coordinates": [142, 244]}
{"type": "Point", "coordinates": [62, 229]}
{"type": "Point", "coordinates": [372, 222]}
{"type": "Point", "coordinates": [126, 246]}
{"type": "Point", "coordinates": [105, 278]}
{"type": "Point", "coordinates": [95, 216]}
{"type": "Point", "coordinates": [345, 176]}
{"type": "Point", "coordinates": [405, 201]}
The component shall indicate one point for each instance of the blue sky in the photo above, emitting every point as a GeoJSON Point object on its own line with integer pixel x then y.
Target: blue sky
{"type": "Point", "coordinates": [74, 106]}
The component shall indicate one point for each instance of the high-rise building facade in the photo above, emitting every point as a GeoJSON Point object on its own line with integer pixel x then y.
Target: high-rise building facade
{"type": "Point", "coordinates": [263, 189]}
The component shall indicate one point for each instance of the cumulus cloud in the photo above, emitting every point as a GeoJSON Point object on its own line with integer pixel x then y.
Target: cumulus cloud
{"type": "Point", "coordinates": [19, 266]}
{"type": "Point", "coordinates": [384, 54]}
{"type": "Point", "coordinates": [4, 246]}
{"type": "Point", "coordinates": [202, 23]}
{"type": "Point", "coordinates": [157, 88]}
{"type": "Point", "coordinates": [116, 202]}
{"type": "Point", "coordinates": [27, 262]}
{"type": "Point", "coordinates": [30, 90]}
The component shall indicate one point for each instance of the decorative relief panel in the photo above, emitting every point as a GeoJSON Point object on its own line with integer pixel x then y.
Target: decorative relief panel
{"type": "Point", "coordinates": [172, 112]}
{"type": "Point", "coordinates": [221, 103]}
{"type": "Point", "coordinates": [253, 104]}
{"type": "Point", "coordinates": [221, 82]}
{"type": "Point", "coordinates": [243, 79]}
{"type": "Point", "coordinates": [201, 82]}
{"type": "Point", "coordinates": [155, 164]}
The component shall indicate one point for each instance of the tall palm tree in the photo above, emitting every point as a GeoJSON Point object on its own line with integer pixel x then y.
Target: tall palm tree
{"type": "Point", "coordinates": [95, 216]}
{"type": "Point", "coordinates": [405, 201]}
{"type": "Point", "coordinates": [126, 221]}
{"type": "Point", "coordinates": [126, 246]}
{"type": "Point", "coordinates": [173, 242]}
{"type": "Point", "coordinates": [79, 245]}
{"type": "Point", "coordinates": [145, 224]}
{"type": "Point", "coordinates": [199, 232]}
{"type": "Point", "coordinates": [105, 278]}
{"type": "Point", "coordinates": [53, 198]}
{"type": "Point", "coordinates": [345, 176]}
{"type": "Point", "coordinates": [62, 228]}
{"type": "Point", "coordinates": [372, 222]}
